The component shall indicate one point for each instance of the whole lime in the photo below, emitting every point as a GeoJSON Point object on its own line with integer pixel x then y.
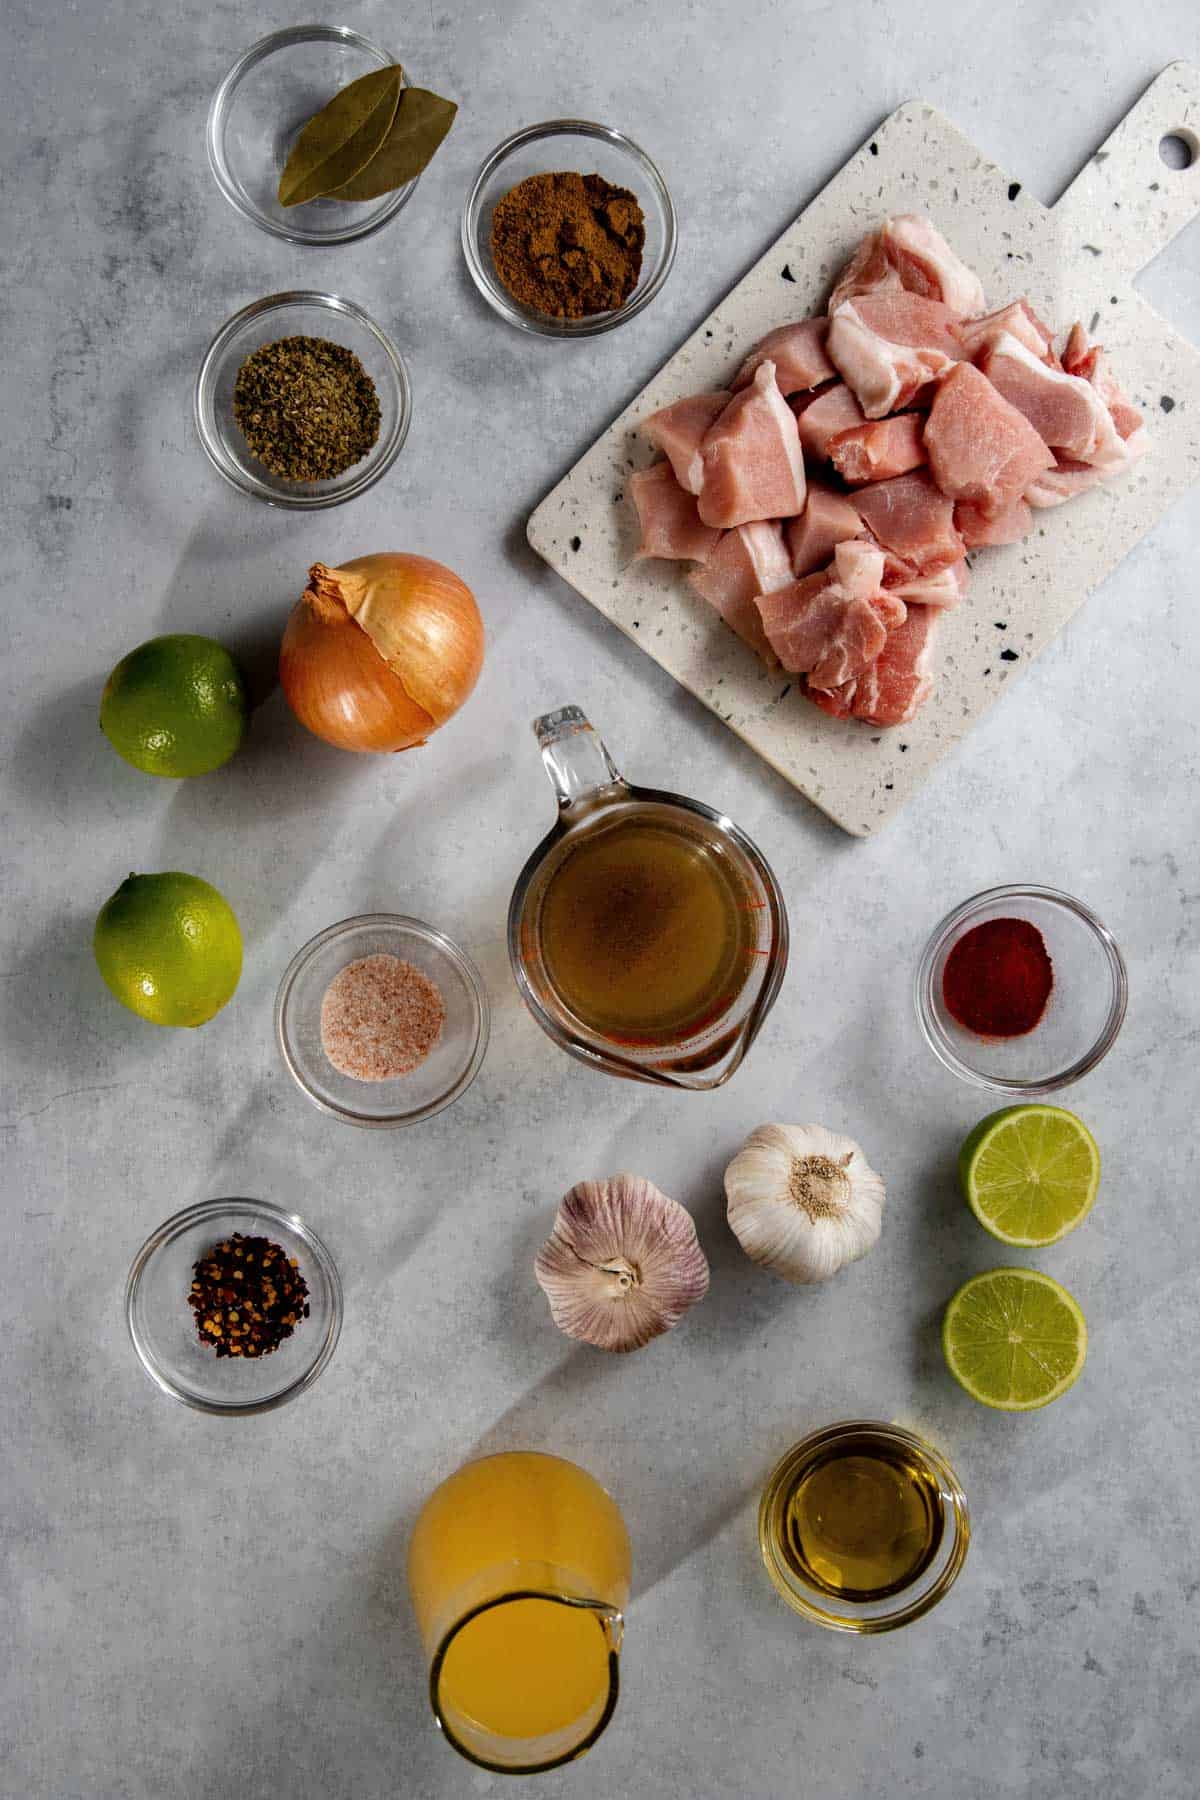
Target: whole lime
{"type": "Point", "coordinates": [169, 947]}
{"type": "Point", "coordinates": [175, 706]}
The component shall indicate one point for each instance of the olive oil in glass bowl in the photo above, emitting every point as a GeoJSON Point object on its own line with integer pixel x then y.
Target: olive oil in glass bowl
{"type": "Point", "coordinates": [863, 1527]}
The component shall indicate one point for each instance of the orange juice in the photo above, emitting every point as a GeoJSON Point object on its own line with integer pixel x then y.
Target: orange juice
{"type": "Point", "coordinates": [519, 1574]}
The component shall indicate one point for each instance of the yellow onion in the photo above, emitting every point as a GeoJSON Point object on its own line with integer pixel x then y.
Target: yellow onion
{"type": "Point", "coordinates": [381, 652]}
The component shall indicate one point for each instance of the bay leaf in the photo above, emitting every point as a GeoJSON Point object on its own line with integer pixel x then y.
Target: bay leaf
{"type": "Point", "coordinates": [344, 135]}
{"type": "Point", "coordinates": [421, 122]}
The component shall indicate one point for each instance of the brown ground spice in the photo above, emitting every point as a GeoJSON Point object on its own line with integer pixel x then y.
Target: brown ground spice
{"type": "Point", "coordinates": [568, 245]}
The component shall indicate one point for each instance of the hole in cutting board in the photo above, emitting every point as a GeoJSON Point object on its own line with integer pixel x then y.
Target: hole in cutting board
{"type": "Point", "coordinates": [1179, 149]}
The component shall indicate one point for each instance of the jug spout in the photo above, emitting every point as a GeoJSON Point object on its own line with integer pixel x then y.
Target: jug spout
{"type": "Point", "coordinates": [576, 757]}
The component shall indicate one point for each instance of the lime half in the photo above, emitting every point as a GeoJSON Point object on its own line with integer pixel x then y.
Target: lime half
{"type": "Point", "coordinates": [1014, 1338]}
{"type": "Point", "coordinates": [1030, 1173]}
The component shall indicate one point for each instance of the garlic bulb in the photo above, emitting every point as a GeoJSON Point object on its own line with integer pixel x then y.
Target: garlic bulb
{"type": "Point", "coordinates": [622, 1265]}
{"type": "Point", "coordinates": [803, 1201]}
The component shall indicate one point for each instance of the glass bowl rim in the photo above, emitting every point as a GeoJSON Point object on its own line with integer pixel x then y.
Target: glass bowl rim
{"type": "Point", "coordinates": [457, 955]}
{"type": "Point", "coordinates": [219, 164]}
{"type": "Point", "coordinates": [490, 289]}
{"type": "Point", "coordinates": [862, 1625]}
{"type": "Point", "coordinates": [243, 480]}
{"type": "Point", "coordinates": [174, 1227]}
{"type": "Point", "coordinates": [936, 1038]}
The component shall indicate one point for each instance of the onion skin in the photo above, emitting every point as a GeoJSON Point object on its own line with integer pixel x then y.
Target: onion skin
{"type": "Point", "coordinates": [380, 652]}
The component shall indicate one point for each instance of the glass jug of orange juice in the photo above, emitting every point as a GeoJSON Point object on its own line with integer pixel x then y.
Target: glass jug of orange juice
{"type": "Point", "coordinates": [519, 1574]}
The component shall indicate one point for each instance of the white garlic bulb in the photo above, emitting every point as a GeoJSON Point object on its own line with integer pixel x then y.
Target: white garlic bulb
{"type": "Point", "coordinates": [803, 1201]}
{"type": "Point", "coordinates": [622, 1265]}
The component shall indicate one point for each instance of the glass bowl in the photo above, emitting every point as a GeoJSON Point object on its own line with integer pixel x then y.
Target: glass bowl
{"type": "Point", "coordinates": [451, 1065]}
{"type": "Point", "coordinates": [259, 110]}
{"type": "Point", "coordinates": [299, 314]}
{"type": "Point", "coordinates": [162, 1325]}
{"type": "Point", "coordinates": [545, 149]}
{"type": "Point", "coordinates": [846, 1612]}
{"type": "Point", "coordinates": [1082, 1018]}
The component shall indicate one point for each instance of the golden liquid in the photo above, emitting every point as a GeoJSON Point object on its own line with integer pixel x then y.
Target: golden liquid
{"type": "Point", "coordinates": [646, 932]}
{"type": "Point", "coordinates": [863, 1519]}
{"type": "Point", "coordinates": [529, 1667]}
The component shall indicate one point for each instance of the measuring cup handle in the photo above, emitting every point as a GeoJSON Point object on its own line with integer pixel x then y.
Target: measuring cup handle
{"type": "Point", "coordinates": [575, 756]}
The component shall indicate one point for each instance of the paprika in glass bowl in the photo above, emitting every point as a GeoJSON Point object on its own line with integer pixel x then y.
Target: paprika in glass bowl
{"type": "Point", "coordinates": [1021, 990]}
{"type": "Point", "coordinates": [568, 146]}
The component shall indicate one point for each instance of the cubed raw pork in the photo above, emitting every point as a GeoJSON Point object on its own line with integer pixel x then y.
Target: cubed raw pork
{"type": "Point", "coordinates": [1019, 319]}
{"type": "Point", "coordinates": [833, 623]}
{"type": "Point", "coordinates": [679, 430]}
{"type": "Point", "coordinates": [978, 526]}
{"type": "Point", "coordinates": [753, 464]}
{"type": "Point", "coordinates": [828, 519]}
{"type": "Point", "coordinates": [891, 689]}
{"type": "Point", "coordinates": [1088, 360]}
{"type": "Point", "coordinates": [879, 448]}
{"type": "Point", "coordinates": [909, 251]}
{"type": "Point", "coordinates": [749, 560]}
{"type": "Point", "coordinates": [671, 524]}
{"type": "Point", "coordinates": [911, 517]}
{"type": "Point", "coordinates": [945, 589]}
{"type": "Point", "coordinates": [886, 346]}
{"type": "Point", "coordinates": [798, 352]}
{"type": "Point", "coordinates": [821, 417]}
{"type": "Point", "coordinates": [1063, 482]}
{"type": "Point", "coordinates": [980, 447]}
{"type": "Point", "coordinates": [1066, 412]}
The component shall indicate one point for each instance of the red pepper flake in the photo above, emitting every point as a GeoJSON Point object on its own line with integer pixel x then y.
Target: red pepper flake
{"type": "Point", "coordinates": [247, 1295]}
{"type": "Point", "coordinates": [997, 979]}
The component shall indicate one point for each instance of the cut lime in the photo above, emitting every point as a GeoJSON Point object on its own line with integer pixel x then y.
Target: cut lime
{"type": "Point", "coordinates": [1014, 1338]}
{"type": "Point", "coordinates": [1030, 1173]}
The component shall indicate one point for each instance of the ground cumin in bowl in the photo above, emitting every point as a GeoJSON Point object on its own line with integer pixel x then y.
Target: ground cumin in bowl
{"type": "Point", "coordinates": [569, 229]}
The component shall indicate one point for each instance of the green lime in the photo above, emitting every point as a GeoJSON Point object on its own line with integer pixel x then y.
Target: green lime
{"type": "Point", "coordinates": [175, 706]}
{"type": "Point", "coordinates": [1014, 1338]}
{"type": "Point", "coordinates": [169, 947]}
{"type": "Point", "coordinates": [1030, 1173]}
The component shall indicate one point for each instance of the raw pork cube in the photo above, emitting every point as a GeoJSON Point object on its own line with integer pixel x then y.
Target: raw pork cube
{"type": "Point", "coordinates": [1019, 319]}
{"type": "Point", "coordinates": [671, 523]}
{"type": "Point", "coordinates": [980, 447]}
{"type": "Point", "coordinates": [890, 690]}
{"type": "Point", "coordinates": [1062, 482]}
{"type": "Point", "coordinates": [886, 346]}
{"type": "Point", "coordinates": [1066, 412]}
{"type": "Point", "coordinates": [821, 417]}
{"type": "Point", "coordinates": [753, 464]}
{"type": "Point", "coordinates": [798, 352]}
{"type": "Point", "coordinates": [880, 448]}
{"type": "Point", "coordinates": [944, 589]}
{"type": "Point", "coordinates": [749, 560]}
{"type": "Point", "coordinates": [978, 526]}
{"type": "Point", "coordinates": [678, 431]}
{"type": "Point", "coordinates": [908, 251]}
{"type": "Point", "coordinates": [911, 517]}
{"type": "Point", "coordinates": [832, 624]}
{"type": "Point", "coordinates": [828, 520]}
{"type": "Point", "coordinates": [1083, 358]}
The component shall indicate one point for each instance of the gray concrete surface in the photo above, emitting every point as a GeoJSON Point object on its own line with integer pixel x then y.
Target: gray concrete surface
{"type": "Point", "coordinates": [199, 1609]}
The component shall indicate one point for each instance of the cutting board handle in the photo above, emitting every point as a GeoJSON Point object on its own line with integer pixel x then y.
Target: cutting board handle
{"type": "Point", "coordinates": [1128, 204]}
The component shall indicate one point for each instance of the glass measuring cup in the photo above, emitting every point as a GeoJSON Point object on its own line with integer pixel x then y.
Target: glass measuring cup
{"type": "Point", "coordinates": [593, 797]}
{"type": "Point", "coordinates": [519, 1570]}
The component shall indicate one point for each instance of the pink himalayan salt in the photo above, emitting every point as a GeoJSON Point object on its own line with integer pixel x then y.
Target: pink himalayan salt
{"type": "Point", "coordinates": [380, 1018]}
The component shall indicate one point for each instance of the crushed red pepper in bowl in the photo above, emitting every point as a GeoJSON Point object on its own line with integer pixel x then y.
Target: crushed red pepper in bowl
{"type": "Point", "coordinates": [248, 1295]}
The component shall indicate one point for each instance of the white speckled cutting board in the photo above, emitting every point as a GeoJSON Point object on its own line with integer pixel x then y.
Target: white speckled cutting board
{"type": "Point", "coordinates": [1078, 259]}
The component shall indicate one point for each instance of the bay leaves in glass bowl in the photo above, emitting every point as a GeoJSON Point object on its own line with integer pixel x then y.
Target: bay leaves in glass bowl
{"type": "Point", "coordinates": [337, 142]}
{"type": "Point", "coordinates": [421, 121]}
